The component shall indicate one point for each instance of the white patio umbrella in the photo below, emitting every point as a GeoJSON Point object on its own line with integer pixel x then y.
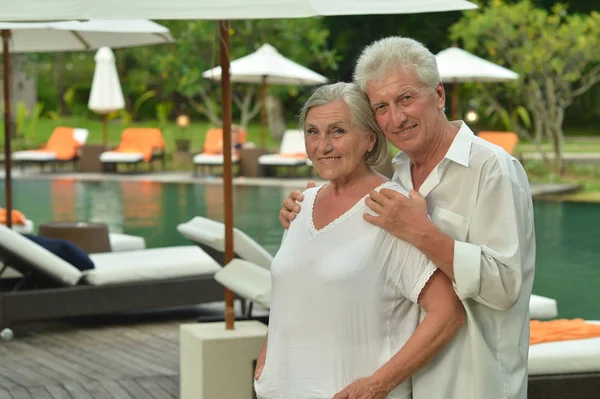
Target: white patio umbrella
{"type": "Point", "coordinates": [106, 95]}
{"type": "Point", "coordinates": [222, 10]}
{"type": "Point", "coordinates": [27, 37]}
{"type": "Point", "coordinates": [458, 66]}
{"type": "Point", "coordinates": [267, 66]}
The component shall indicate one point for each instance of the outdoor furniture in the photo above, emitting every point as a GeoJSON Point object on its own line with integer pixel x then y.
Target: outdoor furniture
{"type": "Point", "coordinates": [506, 140]}
{"type": "Point", "coordinates": [212, 154]}
{"type": "Point", "coordinates": [292, 153]}
{"type": "Point", "coordinates": [89, 161]}
{"type": "Point", "coordinates": [541, 307]}
{"type": "Point", "coordinates": [120, 282]}
{"type": "Point", "coordinates": [249, 166]}
{"type": "Point", "coordinates": [137, 145]}
{"type": "Point", "coordinates": [62, 147]}
{"type": "Point", "coordinates": [90, 237]}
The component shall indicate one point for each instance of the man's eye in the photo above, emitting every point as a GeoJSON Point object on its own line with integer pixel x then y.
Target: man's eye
{"type": "Point", "coordinates": [339, 131]}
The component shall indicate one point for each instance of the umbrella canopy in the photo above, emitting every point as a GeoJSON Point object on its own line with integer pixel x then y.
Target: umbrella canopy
{"type": "Point", "coordinates": [65, 36]}
{"type": "Point", "coordinates": [80, 36]}
{"type": "Point", "coordinates": [106, 95]}
{"type": "Point", "coordinates": [39, 10]}
{"type": "Point", "coordinates": [458, 65]}
{"type": "Point", "coordinates": [267, 64]}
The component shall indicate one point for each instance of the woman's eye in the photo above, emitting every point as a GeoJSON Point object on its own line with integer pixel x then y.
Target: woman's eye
{"type": "Point", "coordinates": [311, 131]}
{"type": "Point", "coordinates": [339, 131]}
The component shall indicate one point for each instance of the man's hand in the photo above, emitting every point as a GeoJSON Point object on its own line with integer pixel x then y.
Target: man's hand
{"type": "Point", "coordinates": [260, 365]}
{"type": "Point", "coordinates": [400, 216]}
{"type": "Point", "coordinates": [365, 388]}
{"type": "Point", "coordinates": [290, 206]}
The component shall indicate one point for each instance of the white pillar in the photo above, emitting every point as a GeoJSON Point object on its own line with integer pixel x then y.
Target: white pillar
{"type": "Point", "coordinates": [218, 363]}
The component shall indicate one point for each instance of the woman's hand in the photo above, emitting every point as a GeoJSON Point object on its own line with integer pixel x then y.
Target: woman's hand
{"type": "Point", "coordinates": [260, 365]}
{"type": "Point", "coordinates": [364, 388]}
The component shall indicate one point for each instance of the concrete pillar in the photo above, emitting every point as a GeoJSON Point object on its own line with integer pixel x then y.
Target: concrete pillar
{"type": "Point", "coordinates": [219, 364]}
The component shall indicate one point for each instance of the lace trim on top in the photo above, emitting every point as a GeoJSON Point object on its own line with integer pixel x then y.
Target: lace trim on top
{"type": "Point", "coordinates": [314, 232]}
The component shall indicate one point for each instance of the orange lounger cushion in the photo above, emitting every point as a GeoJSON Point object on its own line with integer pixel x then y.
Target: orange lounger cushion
{"type": "Point", "coordinates": [506, 140]}
{"type": "Point", "coordinates": [142, 140]}
{"type": "Point", "coordinates": [62, 143]}
{"type": "Point", "coordinates": [17, 217]}
{"type": "Point", "coordinates": [561, 330]}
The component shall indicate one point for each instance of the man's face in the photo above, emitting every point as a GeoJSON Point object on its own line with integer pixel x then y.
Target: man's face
{"type": "Point", "coordinates": [407, 110]}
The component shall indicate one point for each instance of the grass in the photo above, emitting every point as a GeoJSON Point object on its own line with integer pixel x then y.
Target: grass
{"type": "Point", "coordinates": [196, 132]}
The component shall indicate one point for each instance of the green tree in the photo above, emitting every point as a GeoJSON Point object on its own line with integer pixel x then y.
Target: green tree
{"type": "Point", "coordinates": [554, 53]}
{"type": "Point", "coordinates": [178, 69]}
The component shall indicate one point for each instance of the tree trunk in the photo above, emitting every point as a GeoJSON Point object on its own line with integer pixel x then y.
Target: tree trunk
{"type": "Point", "coordinates": [60, 90]}
{"type": "Point", "coordinates": [275, 117]}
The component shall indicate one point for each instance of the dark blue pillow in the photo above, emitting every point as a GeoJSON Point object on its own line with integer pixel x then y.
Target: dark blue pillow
{"type": "Point", "coordinates": [65, 250]}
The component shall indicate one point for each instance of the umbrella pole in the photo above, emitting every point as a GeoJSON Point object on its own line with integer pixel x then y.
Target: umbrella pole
{"type": "Point", "coordinates": [454, 112]}
{"type": "Point", "coordinates": [105, 130]}
{"type": "Point", "coordinates": [7, 153]}
{"type": "Point", "coordinates": [263, 113]}
{"type": "Point", "coordinates": [227, 166]}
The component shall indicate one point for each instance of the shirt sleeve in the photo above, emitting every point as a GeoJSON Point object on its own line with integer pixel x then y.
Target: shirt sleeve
{"type": "Point", "coordinates": [488, 268]}
{"type": "Point", "coordinates": [406, 269]}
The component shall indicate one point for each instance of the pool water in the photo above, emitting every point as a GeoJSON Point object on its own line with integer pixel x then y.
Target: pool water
{"type": "Point", "coordinates": [568, 234]}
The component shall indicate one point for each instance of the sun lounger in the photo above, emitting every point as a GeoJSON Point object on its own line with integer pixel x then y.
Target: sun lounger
{"type": "Point", "coordinates": [506, 140]}
{"type": "Point", "coordinates": [541, 307]}
{"type": "Point", "coordinates": [62, 147]}
{"type": "Point", "coordinates": [212, 154]}
{"type": "Point", "coordinates": [292, 152]}
{"type": "Point", "coordinates": [120, 282]}
{"type": "Point", "coordinates": [249, 277]}
{"type": "Point", "coordinates": [137, 145]}
{"type": "Point", "coordinates": [565, 369]}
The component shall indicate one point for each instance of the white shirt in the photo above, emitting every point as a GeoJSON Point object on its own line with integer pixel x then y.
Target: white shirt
{"type": "Point", "coordinates": [343, 302]}
{"type": "Point", "coordinates": [480, 196]}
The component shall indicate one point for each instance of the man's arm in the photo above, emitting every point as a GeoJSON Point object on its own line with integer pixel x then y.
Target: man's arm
{"type": "Point", "coordinates": [488, 268]}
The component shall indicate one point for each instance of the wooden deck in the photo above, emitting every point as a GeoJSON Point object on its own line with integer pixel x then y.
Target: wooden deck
{"type": "Point", "coordinates": [123, 357]}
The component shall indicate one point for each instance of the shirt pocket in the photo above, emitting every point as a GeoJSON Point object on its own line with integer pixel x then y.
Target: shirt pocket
{"type": "Point", "coordinates": [453, 224]}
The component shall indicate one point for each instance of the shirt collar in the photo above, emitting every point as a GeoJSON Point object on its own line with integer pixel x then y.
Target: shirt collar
{"type": "Point", "coordinates": [459, 151]}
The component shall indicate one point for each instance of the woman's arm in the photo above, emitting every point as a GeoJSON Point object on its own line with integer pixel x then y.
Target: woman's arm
{"type": "Point", "coordinates": [260, 361]}
{"type": "Point", "coordinates": [445, 316]}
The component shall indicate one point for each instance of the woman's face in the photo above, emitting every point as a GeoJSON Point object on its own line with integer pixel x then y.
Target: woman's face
{"type": "Point", "coordinates": [334, 144]}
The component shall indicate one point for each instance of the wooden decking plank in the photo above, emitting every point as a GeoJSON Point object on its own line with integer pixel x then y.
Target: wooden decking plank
{"type": "Point", "coordinates": [134, 389]}
{"type": "Point", "coordinates": [5, 394]}
{"type": "Point", "coordinates": [39, 393]}
{"type": "Point", "coordinates": [169, 383]}
{"type": "Point", "coordinates": [90, 361]}
{"type": "Point", "coordinates": [156, 348]}
{"type": "Point", "coordinates": [26, 361]}
{"type": "Point", "coordinates": [128, 357]}
{"type": "Point", "coordinates": [77, 390]}
{"type": "Point", "coordinates": [116, 390]}
{"type": "Point", "coordinates": [20, 393]}
{"type": "Point", "coordinates": [154, 389]}
{"type": "Point", "coordinates": [58, 392]}
{"type": "Point", "coordinates": [18, 379]}
{"type": "Point", "coordinates": [97, 390]}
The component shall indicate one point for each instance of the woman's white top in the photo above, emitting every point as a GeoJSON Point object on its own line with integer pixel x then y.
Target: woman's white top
{"type": "Point", "coordinates": [343, 303]}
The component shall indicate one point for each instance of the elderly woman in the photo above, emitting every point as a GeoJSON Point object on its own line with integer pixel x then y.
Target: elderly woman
{"type": "Point", "coordinates": [345, 294]}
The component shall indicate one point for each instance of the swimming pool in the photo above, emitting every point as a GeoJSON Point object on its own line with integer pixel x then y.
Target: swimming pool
{"type": "Point", "coordinates": [568, 234]}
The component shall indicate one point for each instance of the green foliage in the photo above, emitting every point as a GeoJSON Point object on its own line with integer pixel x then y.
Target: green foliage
{"type": "Point", "coordinates": [30, 133]}
{"type": "Point", "coordinates": [20, 118]}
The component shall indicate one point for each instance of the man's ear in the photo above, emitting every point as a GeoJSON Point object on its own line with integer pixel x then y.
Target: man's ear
{"type": "Point", "coordinates": [440, 96]}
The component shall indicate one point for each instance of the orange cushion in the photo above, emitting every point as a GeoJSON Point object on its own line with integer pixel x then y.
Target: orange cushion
{"type": "Point", "coordinates": [561, 330]}
{"type": "Point", "coordinates": [17, 217]}
{"type": "Point", "coordinates": [142, 140]}
{"type": "Point", "coordinates": [62, 143]}
{"type": "Point", "coordinates": [506, 140]}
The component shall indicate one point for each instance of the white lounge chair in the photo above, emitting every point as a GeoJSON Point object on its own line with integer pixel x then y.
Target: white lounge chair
{"type": "Point", "coordinates": [541, 307]}
{"type": "Point", "coordinates": [292, 152]}
{"type": "Point", "coordinates": [47, 154]}
{"type": "Point", "coordinates": [248, 276]}
{"type": "Point", "coordinates": [120, 282]}
{"type": "Point", "coordinates": [565, 369]}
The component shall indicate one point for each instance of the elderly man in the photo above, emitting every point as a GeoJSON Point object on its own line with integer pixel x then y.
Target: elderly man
{"type": "Point", "coordinates": [470, 212]}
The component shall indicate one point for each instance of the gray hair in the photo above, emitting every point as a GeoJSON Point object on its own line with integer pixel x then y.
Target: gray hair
{"type": "Point", "coordinates": [360, 110]}
{"type": "Point", "coordinates": [382, 56]}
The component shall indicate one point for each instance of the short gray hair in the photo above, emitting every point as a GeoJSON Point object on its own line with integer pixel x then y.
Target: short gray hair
{"type": "Point", "coordinates": [360, 110]}
{"type": "Point", "coordinates": [393, 53]}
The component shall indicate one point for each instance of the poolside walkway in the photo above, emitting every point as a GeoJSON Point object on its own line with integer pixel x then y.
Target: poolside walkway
{"type": "Point", "coordinates": [188, 178]}
{"type": "Point", "coordinates": [117, 357]}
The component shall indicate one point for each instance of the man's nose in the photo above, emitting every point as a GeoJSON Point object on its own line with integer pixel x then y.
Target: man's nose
{"type": "Point", "coordinates": [398, 116]}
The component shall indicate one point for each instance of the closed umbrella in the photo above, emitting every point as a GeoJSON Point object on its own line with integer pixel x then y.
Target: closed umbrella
{"type": "Point", "coordinates": [24, 37]}
{"type": "Point", "coordinates": [267, 66]}
{"type": "Point", "coordinates": [457, 66]}
{"type": "Point", "coordinates": [106, 95]}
